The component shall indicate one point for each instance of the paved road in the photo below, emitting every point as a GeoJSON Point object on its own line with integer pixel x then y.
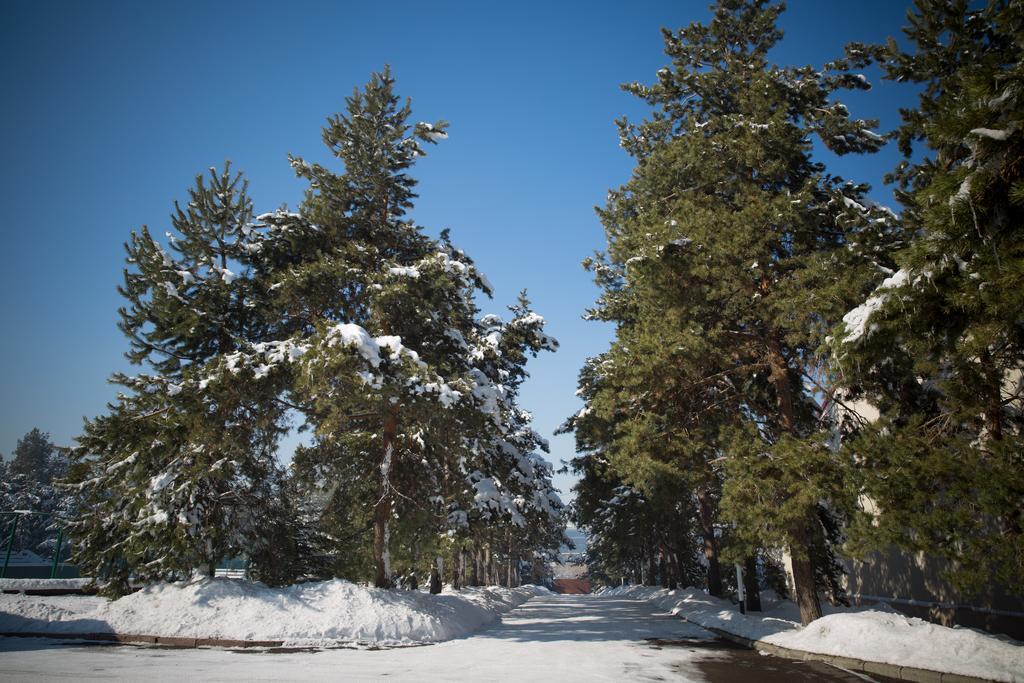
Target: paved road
{"type": "Point", "coordinates": [556, 637]}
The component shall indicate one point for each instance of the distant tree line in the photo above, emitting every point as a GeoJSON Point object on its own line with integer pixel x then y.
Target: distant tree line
{"type": "Point", "coordinates": [764, 306]}
{"type": "Point", "coordinates": [29, 481]}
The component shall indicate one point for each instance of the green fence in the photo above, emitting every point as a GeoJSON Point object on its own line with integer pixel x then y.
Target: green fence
{"type": "Point", "coordinates": [20, 534]}
{"type": "Point", "coordinates": [23, 566]}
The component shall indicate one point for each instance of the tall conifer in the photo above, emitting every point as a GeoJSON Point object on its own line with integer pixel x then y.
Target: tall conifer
{"type": "Point", "coordinates": [938, 347]}
{"type": "Point", "coordinates": [181, 472]}
{"type": "Point", "coordinates": [728, 250]}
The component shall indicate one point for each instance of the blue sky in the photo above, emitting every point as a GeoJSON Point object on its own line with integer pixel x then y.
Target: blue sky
{"type": "Point", "coordinates": [111, 108]}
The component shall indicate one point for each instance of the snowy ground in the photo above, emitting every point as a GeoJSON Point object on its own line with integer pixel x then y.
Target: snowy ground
{"type": "Point", "coordinates": [551, 637]}
{"type": "Point", "coordinates": [322, 613]}
{"type": "Point", "coordinates": [877, 634]}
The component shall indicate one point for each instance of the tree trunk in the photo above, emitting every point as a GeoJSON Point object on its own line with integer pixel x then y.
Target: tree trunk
{"type": "Point", "coordinates": [750, 587]}
{"type": "Point", "coordinates": [458, 578]}
{"type": "Point", "coordinates": [381, 539]}
{"type": "Point", "coordinates": [382, 509]}
{"type": "Point", "coordinates": [994, 404]}
{"type": "Point", "coordinates": [673, 572]}
{"type": "Point", "coordinates": [464, 571]}
{"type": "Point", "coordinates": [707, 529]}
{"type": "Point", "coordinates": [475, 569]}
{"type": "Point", "coordinates": [779, 378]}
{"type": "Point", "coordinates": [488, 578]}
{"type": "Point", "coordinates": [801, 535]}
{"type": "Point", "coordinates": [414, 556]}
{"type": "Point", "coordinates": [508, 546]}
{"type": "Point", "coordinates": [652, 566]}
{"type": "Point", "coordinates": [435, 575]}
{"type": "Point", "coordinates": [803, 574]}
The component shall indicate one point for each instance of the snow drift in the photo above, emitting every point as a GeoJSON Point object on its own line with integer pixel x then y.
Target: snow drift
{"type": "Point", "coordinates": [875, 634]}
{"type": "Point", "coordinates": [319, 613]}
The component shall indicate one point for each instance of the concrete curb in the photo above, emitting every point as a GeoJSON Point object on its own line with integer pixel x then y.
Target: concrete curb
{"type": "Point", "coordinates": [47, 591]}
{"type": "Point", "coordinates": [185, 642]}
{"type": "Point", "coordinates": [903, 673]}
{"type": "Point", "coordinates": [166, 641]}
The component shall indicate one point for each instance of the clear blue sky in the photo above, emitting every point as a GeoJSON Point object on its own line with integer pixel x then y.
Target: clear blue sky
{"type": "Point", "coordinates": [111, 108]}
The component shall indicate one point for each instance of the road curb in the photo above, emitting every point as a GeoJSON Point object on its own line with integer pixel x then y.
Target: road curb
{"type": "Point", "coordinates": [131, 639]}
{"type": "Point", "coordinates": [903, 673]}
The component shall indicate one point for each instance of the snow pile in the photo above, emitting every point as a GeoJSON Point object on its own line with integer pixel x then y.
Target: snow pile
{"type": "Point", "coordinates": [890, 637]}
{"type": "Point", "coordinates": [320, 613]}
{"type": "Point", "coordinates": [368, 346]}
{"type": "Point", "coordinates": [876, 634]}
{"type": "Point", "coordinates": [706, 610]}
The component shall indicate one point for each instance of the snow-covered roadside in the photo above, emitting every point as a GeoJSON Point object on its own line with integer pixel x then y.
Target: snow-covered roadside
{"type": "Point", "coordinates": [319, 613]}
{"type": "Point", "coordinates": [875, 634]}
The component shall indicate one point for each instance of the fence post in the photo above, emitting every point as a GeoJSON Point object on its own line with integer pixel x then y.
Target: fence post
{"type": "Point", "coordinates": [56, 553]}
{"type": "Point", "coordinates": [10, 545]}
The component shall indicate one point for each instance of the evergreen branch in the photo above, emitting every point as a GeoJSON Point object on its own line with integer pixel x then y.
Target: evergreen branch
{"type": "Point", "coordinates": [154, 413]}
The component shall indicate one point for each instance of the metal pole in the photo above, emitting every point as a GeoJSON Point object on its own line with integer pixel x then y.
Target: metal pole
{"type": "Point", "coordinates": [740, 589]}
{"type": "Point", "coordinates": [10, 545]}
{"type": "Point", "coordinates": [56, 553]}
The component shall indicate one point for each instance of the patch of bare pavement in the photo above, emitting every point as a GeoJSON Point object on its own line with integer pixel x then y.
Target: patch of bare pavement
{"type": "Point", "coordinates": [550, 637]}
{"type": "Point", "coordinates": [735, 663]}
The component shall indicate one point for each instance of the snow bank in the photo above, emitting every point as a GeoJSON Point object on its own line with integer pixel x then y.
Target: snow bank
{"type": "Point", "coordinates": [876, 634]}
{"type": "Point", "coordinates": [706, 610]}
{"type": "Point", "coordinates": [320, 613]}
{"type": "Point", "coordinates": [890, 637]}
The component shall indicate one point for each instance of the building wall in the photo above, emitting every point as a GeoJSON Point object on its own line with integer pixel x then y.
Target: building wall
{"type": "Point", "coordinates": [913, 584]}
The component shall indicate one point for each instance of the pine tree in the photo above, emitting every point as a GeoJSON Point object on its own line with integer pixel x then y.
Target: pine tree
{"type": "Point", "coordinates": [398, 374]}
{"type": "Point", "coordinates": [731, 231]}
{"type": "Point", "coordinates": [938, 347]}
{"type": "Point", "coordinates": [181, 472]}
{"type": "Point", "coordinates": [346, 314]}
{"type": "Point", "coordinates": [34, 457]}
{"type": "Point", "coordinates": [654, 433]}
{"type": "Point", "coordinates": [29, 482]}
{"type": "Point", "coordinates": [638, 509]}
{"type": "Point", "coordinates": [366, 285]}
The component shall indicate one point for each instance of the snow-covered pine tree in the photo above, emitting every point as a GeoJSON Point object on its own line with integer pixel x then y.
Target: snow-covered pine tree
{"type": "Point", "coordinates": [386, 321]}
{"type": "Point", "coordinates": [181, 472]}
{"type": "Point", "coordinates": [363, 288]}
{"type": "Point", "coordinates": [29, 482]}
{"type": "Point", "coordinates": [344, 312]}
{"type": "Point", "coordinates": [938, 347]}
{"type": "Point", "coordinates": [507, 502]}
{"type": "Point", "coordinates": [390, 391]}
{"type": "Point", "coordinates": [35, 456]}
{"type": "Point", "coordinates": [730, 226]}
